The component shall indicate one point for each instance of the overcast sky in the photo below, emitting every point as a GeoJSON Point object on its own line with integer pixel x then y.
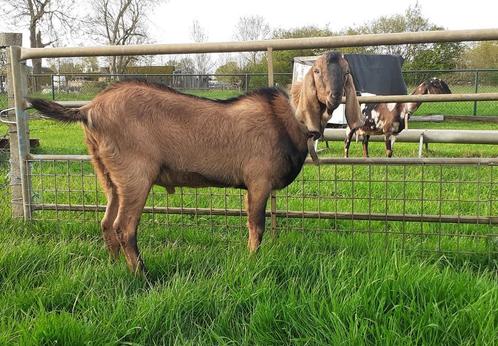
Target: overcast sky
{"type": "Point", "coordinates": [171, 21]}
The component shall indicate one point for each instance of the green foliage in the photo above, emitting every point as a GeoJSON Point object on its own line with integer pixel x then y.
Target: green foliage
{"type": "Point", "coordinates": [283, 60]}
{"type": "Point", "coordinates": [417, 56]}
{"type": "Point", "coordinates": [230, 67]}
{"type": "Point", "coordinates": [483, 55]}
{"type": "Point", "coordinates": [439, 56]}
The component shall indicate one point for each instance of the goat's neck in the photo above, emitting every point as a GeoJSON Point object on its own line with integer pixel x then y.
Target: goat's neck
{"type": "Point", "coordinates": [413, 106]}
{"type": "Point", "coordinates": [302, 106]}
{"type": "Point", "coordinates": [296, 129]}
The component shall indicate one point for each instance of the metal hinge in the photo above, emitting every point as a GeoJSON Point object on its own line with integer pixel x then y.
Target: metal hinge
{"type": "Point", "coordinates": [3, 116]}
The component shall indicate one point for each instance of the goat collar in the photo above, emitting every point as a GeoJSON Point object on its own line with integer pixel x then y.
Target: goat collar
{"type": "Point", "coordinates": [312, 152]}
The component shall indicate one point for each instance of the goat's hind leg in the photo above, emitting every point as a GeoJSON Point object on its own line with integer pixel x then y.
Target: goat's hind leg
{"type": "Point", "coordinates": [132, 196]}
{"type": "Point", "coordinates": [111, 210]}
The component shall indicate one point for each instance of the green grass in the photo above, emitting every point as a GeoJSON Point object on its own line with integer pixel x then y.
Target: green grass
{"type": "Point", "coordinates": [308, 286]}
{"type": "Point", "coordinates": [58, 286]}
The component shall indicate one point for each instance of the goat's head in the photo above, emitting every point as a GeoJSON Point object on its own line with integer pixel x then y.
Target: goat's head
{"type": "Point", "coordinates": [429, 86]}
{"type": "Point", "coordinates": [432, 86]}
{"type": "Point", "coordinates": [323, 87]}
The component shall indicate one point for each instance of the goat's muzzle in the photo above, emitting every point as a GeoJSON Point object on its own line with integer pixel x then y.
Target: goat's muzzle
{"type": "Point", "coordinates": [332, 103]}
{"type": "Point", "coordinates": [314, 134]}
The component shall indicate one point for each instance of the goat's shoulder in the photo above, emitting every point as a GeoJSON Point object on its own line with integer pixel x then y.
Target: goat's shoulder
{"type": "Point", "coordinates": [260, 102]}
{"type": "Point", "coordinates": [267, 95]}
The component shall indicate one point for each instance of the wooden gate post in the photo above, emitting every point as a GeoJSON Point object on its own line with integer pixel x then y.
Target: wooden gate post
{"type": "Point", "coordinates": [18, 129]}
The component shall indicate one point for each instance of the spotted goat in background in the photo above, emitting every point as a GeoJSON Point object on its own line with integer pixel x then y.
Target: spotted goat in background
{"type": "Point", "coordinates": [389, 119]}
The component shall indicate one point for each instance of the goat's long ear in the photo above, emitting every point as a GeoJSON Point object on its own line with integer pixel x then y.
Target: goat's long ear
{"type": "Point", "coordinates": [309, 88]}
{"type": "Point", "coordinates": [354, 117]}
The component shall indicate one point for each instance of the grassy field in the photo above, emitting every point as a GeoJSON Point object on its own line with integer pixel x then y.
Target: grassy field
{"type": "Point", "coordinates": [57, 284]}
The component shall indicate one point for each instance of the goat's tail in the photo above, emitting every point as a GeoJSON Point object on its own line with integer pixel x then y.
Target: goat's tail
{"type": "Point", "coordinates": [56, 111]}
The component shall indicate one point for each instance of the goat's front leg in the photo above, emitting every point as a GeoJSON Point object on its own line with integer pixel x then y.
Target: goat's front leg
{"type": "Point", "coordinates": [389, 145]}
{"type": "Point", "coordinates": [347, 142]}
{"type": "Point", "coordinates": [257, 196]}
{"type": "Point", "coordinates": [365, 145]}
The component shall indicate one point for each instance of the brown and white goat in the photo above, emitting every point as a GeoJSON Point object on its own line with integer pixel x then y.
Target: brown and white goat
{"type": "Point", "coordinates": [389, 119]}
{"type": "Point", "coordinates": [140, 134]}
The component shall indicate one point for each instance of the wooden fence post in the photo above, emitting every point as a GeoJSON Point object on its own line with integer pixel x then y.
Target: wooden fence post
{"type": "Point", "coordinates": [18, 129]}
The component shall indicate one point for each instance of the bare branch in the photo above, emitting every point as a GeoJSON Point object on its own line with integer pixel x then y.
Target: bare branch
{"type": "Point", "coordinates": [120, 22]}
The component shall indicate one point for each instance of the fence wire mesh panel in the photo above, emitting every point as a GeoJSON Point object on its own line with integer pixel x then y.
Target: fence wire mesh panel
{"type": "Point", "coordinates": [3, 90]}
{"type": "Point", "coordinates": [431, 207]}
{"type": "Point", "coordinates": [5, 196]}
{"type": "Point", "coordinates": [460, 82]}
{"type": "Point", "coordinates": [84, 86]}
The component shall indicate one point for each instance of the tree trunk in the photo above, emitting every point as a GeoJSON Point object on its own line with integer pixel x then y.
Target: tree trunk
{"type": "Point", "coordinates": [35, 42]}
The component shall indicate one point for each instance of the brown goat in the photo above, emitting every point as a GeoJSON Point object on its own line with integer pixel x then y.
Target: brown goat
{"type": "Point", "coordinates": [389, 119]}
{"type": "Point", "coordinates": [140, 134]}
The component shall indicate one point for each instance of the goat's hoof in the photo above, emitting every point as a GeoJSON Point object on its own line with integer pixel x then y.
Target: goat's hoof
{"type": "Point", "coordinates": [253, 247]}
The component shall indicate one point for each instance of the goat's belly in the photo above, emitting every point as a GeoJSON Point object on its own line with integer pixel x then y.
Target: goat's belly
{"type": "Point", "coordinates": [369, 132]}
{"type": "Point", "coordinates": [170, 180]}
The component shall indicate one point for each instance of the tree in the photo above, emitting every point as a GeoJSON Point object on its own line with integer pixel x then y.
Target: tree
{"type": "Point", "coordinates": [66, 65]}
{"type": "Point", "coordinates": [251, 28]}
{"type": "Point", "coordinates": [120, 22]}
{"type": "Point", "coordinates": [230, 68]}
{"type": "Point", "coordinates": [482, 55]}
{"type": "Point", "coordinates": [44, 18]}
{"type": "Point", "coordinates": [410, 21]}
{"type": "Point", "coordinates": [90, 64]}
{"type": "Point", "coordinates": [437, 56]}
{"type": "Point", "coordinates": [186, 65]}
{"type": "Point", "coordinates": [202, 62]}
{"type": "Point", "coordinates": [283, 60]}
{"type": "Point", "coordinates": [424, 56]}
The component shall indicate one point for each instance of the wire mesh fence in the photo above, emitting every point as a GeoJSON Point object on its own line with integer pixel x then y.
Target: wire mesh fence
{"type": "Point", "coordinates": [419, 205]}
{"type": "Point", "coordinates": [459, 81]}
{"type": "Point", "coordinates": [5, 201]}
{"type": "Point", "coordinates": [85, 86]}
